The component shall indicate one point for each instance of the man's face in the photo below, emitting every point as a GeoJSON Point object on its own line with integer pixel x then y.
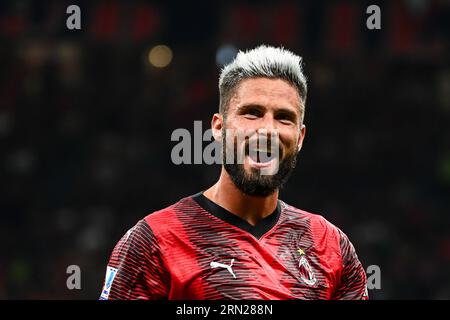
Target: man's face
{"type": "Point", "coordinates": [267, 113]}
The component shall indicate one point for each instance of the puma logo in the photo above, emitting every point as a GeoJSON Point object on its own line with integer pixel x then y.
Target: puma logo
{"type": "Point", "coordinates": [225, 266]}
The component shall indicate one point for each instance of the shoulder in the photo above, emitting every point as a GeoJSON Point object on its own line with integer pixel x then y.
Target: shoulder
{"type": "Point", "coordinates": [153, 230]}
{"type": "Point", "coordinates": [171, 221]}
{"type": "Point", "coordinates": [317, 224]}
{"type": "Point", "coordinates": [315, 220]}
{"type": "Point", "coordinates": [169, 214]}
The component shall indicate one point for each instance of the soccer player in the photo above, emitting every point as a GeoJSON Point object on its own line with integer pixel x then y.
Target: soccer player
{"type": "Point", "coordinates": [237, 239]}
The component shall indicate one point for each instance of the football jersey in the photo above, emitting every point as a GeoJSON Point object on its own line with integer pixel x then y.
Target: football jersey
{"type": "Point", "coordinates": [195, 249]}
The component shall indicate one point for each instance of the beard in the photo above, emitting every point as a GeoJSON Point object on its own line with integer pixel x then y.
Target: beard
{"type": "Point", "coordinates": [253, 183]}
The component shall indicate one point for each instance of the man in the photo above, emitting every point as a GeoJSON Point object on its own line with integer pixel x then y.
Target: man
{"type": "Point", "coordinates": [237, 240]}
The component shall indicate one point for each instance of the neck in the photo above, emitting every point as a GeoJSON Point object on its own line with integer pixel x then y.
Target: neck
{"type": "Point", "coordinates": [249, 208]}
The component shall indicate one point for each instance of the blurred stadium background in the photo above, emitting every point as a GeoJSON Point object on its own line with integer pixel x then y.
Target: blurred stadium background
{"type": "Point", "coordinates": [86, 119]}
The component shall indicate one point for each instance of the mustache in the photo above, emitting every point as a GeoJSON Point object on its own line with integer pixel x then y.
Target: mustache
{"type": "Point", "coordinates": [239, 144]}
{"type": "Point", "coordinates": [271, 146]}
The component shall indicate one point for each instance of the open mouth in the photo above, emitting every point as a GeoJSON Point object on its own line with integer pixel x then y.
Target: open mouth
{"type": "Point", "coordinates": [262, 155]}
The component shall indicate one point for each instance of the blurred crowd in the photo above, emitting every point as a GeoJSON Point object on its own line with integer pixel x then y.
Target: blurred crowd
{"type": "Point", "coordinates": [86, 123]}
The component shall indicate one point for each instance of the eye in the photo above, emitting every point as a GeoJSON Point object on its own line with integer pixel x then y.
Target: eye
{"type": "Point", "coordinates": [252, 113]}
{"type": "Point", "coordinates": [285, 118]}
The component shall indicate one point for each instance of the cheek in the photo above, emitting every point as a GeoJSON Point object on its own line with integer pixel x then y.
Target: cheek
{"type": "Point", "coordinates": [288, 139]}
{"type": "Point", "coordinates": [242, 128]}
{"type": "Point", "coordinates": [232, 124]}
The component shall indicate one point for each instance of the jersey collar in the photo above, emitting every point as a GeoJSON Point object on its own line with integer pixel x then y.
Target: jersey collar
{"type": "Point", "coordinates": [261, 228]}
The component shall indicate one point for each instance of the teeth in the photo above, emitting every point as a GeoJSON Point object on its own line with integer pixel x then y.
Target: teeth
{"type": "Point", "coordinates": [261, 150]}
{"type": "Point", "coordinates": [261, 153]}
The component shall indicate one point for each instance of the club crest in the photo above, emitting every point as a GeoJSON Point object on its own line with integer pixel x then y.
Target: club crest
{"type": "Point", "coordinates": [306, 273]}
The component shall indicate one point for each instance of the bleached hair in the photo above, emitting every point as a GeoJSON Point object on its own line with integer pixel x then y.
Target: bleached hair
{"type": "Point", "coordinates": [266, 62]}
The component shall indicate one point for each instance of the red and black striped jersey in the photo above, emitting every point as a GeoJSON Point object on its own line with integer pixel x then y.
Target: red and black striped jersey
{"type": "Point", "coordinates": [196, 249]}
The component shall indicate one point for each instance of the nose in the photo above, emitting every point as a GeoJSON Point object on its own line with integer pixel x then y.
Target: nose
{"type": "Point", "coordinates": [268, 136]}
{"type": "Point", "coordinates": [268, 126]}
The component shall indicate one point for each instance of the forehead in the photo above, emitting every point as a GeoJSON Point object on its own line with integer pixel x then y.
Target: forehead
{"type": "Point", "coordinates": [266, 92]}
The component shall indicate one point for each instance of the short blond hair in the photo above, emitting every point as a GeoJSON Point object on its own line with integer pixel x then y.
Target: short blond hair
{"type": "Point", "coordinates": [262, 62]}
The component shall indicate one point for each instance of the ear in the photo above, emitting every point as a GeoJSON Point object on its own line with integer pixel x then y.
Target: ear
{"type": "Point", "coordinates": [301, 137]}
{"type": "Point", "coordinates": [216, 126]}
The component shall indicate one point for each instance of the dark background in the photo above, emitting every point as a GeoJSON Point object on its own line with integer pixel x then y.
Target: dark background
{"type": "Point", "coordinates": [86, 121]}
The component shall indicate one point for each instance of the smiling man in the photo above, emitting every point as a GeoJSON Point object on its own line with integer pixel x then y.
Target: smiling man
{"type": "Point", "coordinates": [237, 239]}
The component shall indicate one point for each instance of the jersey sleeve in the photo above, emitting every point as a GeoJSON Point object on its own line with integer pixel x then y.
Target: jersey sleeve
{"type": "Point", "coordinates": [136, 268]}
{"type": "Point", "coordinates": [353, 281]}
